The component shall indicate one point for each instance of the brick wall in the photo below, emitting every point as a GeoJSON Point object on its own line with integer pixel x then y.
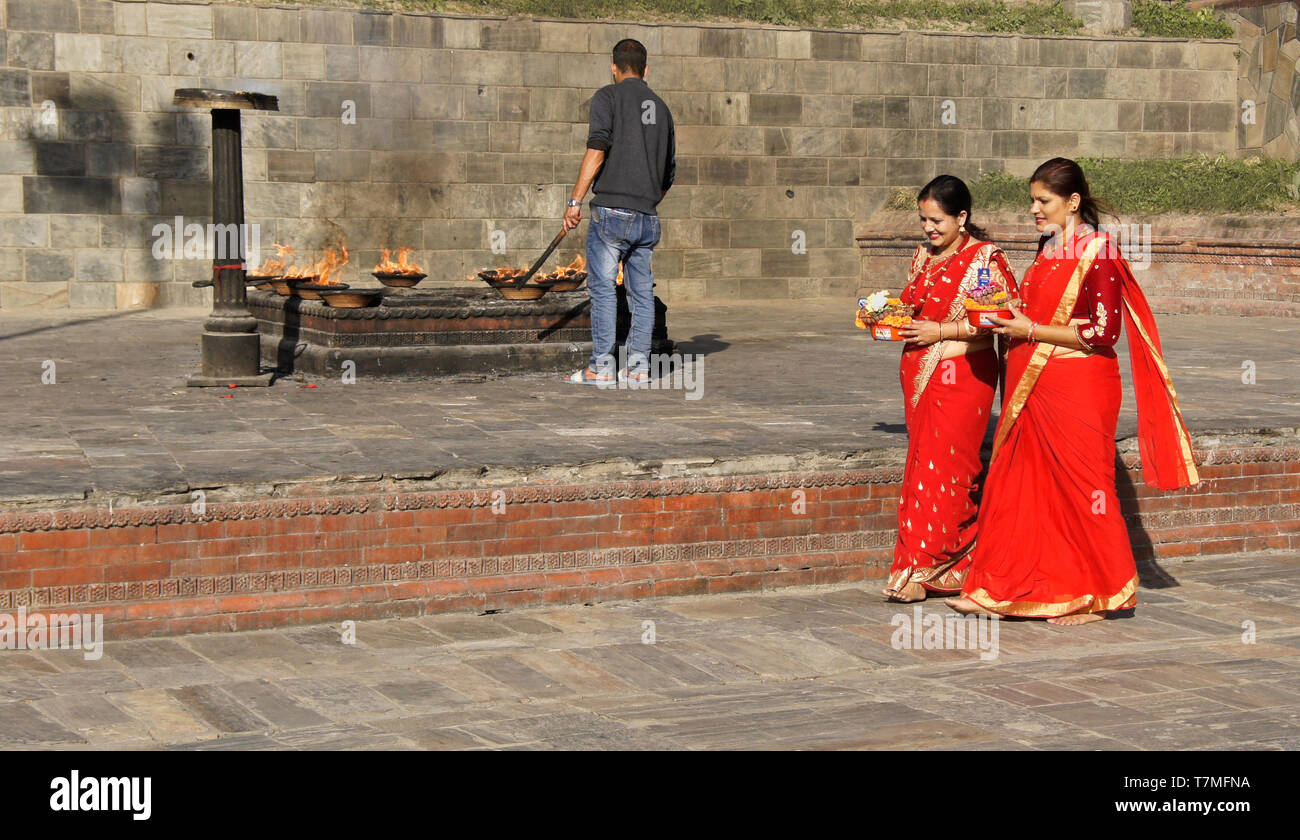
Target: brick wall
{"type": "Point", "coordinates": [1208, 265]}
{"type": "Point", "coordinates": [324, 556]}
{"type": "Point", "coordinates": [465, 126]}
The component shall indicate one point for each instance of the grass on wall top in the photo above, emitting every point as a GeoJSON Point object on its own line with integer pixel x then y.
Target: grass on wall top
{"type": "Point", "coordinates": [1194, 185]}
{"type": "Point", "coordinates": [1155, 18]}
{"type": "Point", "coordinates": [985, 16]}
{"type": "Point", "coordinates": [1175, 20]}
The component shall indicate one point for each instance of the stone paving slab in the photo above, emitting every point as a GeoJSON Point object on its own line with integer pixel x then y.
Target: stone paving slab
{"type": "Point", "coordinates": [723, 673]}
{"type": "Point", "coordinates": [780, 380]}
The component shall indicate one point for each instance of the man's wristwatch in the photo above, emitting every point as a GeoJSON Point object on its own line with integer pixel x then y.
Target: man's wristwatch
{"type": "Point", "coordinates": [573, 202]}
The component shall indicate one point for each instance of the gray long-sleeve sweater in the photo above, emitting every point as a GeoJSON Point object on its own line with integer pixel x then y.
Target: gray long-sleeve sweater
{"type": "Point", "coordinates": [635, 129]}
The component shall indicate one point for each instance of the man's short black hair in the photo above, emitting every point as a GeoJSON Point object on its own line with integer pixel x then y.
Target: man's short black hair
{"type": "Point", "coordinates": [629, 56]}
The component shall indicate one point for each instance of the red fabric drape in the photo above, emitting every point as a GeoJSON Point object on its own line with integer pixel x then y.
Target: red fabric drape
{"type": "Point", "coordinates": [1163, 440]}
{"type": "Point", "coordinates": [947, 405]}
{"type": "Point", "coordinates": [937, 504]}
{"type": "Point", "coordinates": [1052, 536]}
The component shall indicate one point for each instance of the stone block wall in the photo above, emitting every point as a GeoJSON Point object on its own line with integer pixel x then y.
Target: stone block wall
{"type": "Point", "coordinates": [1269, 81]}
{"type": "Point", "coordinates": [464, 127]}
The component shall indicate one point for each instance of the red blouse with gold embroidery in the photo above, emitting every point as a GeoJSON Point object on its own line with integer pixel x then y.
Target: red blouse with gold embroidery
{"type": "Point", "coordinates": [935, 292]}
{"type": "Point", "coordinates": [1100, 301]}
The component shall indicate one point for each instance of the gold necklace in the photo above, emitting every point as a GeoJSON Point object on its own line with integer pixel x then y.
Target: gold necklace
{"type": "Point", "coordinates": [928, 273]}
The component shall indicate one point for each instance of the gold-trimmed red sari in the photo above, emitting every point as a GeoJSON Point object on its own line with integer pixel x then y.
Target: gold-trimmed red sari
{"type": "Point", "coordinates": [947, 404]}
{"type": "Point", "coordinates": [1053, 540]}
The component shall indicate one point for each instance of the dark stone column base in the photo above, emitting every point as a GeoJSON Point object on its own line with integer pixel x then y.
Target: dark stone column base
{"type": "Point", "coordinates": [229, 357]}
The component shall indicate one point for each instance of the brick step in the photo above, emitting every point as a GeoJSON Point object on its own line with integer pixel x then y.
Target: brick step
{"type": "Point", "coordinates": [325, 556]}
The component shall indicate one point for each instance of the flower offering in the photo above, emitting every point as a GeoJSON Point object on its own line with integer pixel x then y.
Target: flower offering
{"type": "Point", "coordinates": [883, 315]}
{"type": "Point", "coordinates": [987, 298]}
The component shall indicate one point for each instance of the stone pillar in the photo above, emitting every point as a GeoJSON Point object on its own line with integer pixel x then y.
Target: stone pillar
{"type": "Point", "coordinates": [231, 345]}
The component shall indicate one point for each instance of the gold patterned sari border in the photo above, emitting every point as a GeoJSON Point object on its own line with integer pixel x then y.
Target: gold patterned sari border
{"type": "Point", "coordinates": [939, 577]}
{"type": "Point", "coordinates": [1047, 609]}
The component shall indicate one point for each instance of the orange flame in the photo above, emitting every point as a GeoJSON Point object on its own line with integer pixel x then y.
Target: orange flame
{"type": "Point", "coordinates": [402, 266]}
{"type": "Point", "coordinates": [578, 266]}
{"type": "Point", "coordinates": [274, 266]}
{"type": "Point", "coordinates": [325, 271]}
{"type": "Point", "coordinates": [295, 271]}
{"type": "Point", "coordinates": [331, 264]}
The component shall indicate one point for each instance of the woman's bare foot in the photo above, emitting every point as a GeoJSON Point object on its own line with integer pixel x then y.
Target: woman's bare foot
{"type": "Point", "coordinates": [1077, 618]}
{"type": "Point", "coordinates": [913, 591]}
{"type": "Point", "coordinates": [966, 606]}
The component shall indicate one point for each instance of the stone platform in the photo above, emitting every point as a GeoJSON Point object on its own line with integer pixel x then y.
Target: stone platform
{"type": "Point", "coordinates": [175, 511]}
{"type": "Point", "coordinates": [418, 334]}
{"type": "Point", "coordinates": [803, 668]}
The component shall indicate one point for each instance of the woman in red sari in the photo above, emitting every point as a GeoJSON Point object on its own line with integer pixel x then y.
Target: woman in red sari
{"type": "Point", "coordinates": [949, 373]}
{"type": "Point", "coordinates": [1053, 543]}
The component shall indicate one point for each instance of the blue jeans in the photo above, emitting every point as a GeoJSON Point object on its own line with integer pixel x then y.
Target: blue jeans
{"type": "Point", "coordinates": [629, 236]}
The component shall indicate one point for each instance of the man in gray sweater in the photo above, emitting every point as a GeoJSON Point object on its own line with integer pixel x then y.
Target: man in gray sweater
{"type": "Point", "coordinates": [631, 158]}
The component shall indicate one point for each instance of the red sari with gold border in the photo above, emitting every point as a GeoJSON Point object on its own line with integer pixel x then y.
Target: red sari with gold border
{"type": "Point", "coordinates": [1053, 540]}
{"type": "Point", "coordinates": [947, 404]}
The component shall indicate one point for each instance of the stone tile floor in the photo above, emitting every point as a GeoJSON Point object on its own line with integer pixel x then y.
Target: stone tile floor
{"type": "Point", "coordinates": [806, 668]}
{"type": "Point", "coordinates": [780, 379]}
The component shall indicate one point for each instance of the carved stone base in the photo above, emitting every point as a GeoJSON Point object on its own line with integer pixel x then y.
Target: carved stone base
{"type": "Point", "coordinates": [229, 357]}
{"type": "Point", "coordinates": [418, 334]}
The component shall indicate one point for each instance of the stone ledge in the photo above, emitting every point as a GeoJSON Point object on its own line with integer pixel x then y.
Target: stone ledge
{"type": "Point", "coordinates": [373, 552]}
{"type": "Point", "coordinates": [473, 486]}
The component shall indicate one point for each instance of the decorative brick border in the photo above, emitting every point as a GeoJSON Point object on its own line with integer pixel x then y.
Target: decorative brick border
{"type": "Point", "coordinates": [321, 555]}
{"type": "Point", "coordinates": [322, 499]}
{"type": "Point", "coordinates": [1200, 276]}
{"type": "Point", "coordinates": [292, 579]}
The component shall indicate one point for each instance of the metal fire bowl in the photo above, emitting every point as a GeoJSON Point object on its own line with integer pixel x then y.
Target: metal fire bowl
{"type": "Point", "coordinates": [568, 284]}
{"type": "Point", "coordinates": [351, 299]}
{"type": "Point", "coordinates": [312, 291]}
{"type": "Point", "coordinates": [531, 291]}
{"type": "Point", "coordinates": [400, 281]}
